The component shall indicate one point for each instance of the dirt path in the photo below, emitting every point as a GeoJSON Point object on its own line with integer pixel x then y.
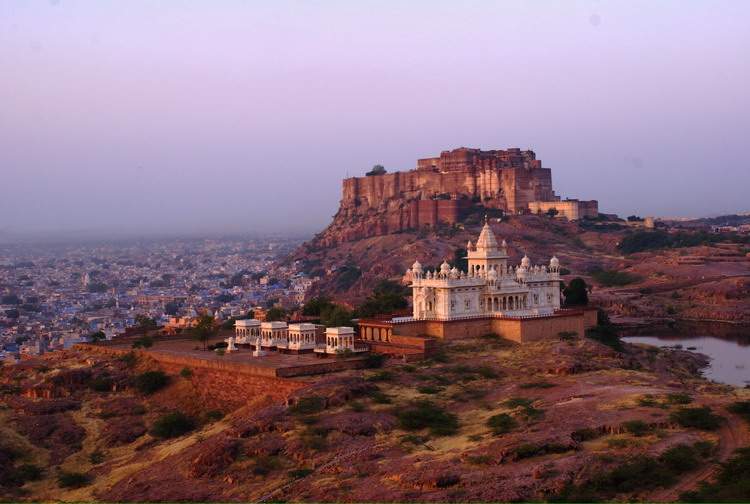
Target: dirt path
{"type": "Point", "coordinates": [733, 434]}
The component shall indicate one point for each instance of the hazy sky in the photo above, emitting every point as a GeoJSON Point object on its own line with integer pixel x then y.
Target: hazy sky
{"type": "Point", "coordinates": [236, 116]}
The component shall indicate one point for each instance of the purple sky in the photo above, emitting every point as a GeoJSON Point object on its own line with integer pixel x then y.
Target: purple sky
{"type": "Point", "coordinates": [146, 116]}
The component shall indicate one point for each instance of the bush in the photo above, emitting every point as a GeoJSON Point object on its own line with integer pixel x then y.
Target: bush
{"type": "Point", "coordinates": [731, 483]}
{"type": "Point", "coordinates": [425, 414]}
{"type": "Point", "coordinates": [515, 402]}
{"type": "Point", "coordinates": [100, 384]}
{"type": "Point", "coordinates": [613, 278]}
{"type": "Point", "coordinates": [172, 425]}
{"type": "Point", "coordinates": [502, 424]}
{"type": "Point", "coordinates": [300, 473]}
{"type": "Point", "coordinates": [151, 381]}
{"type": "Point", "coordinates": [29, 472]}
{"type": "Point", "coordinates": [537, 384]}
{"type": "Point", "coordinates": [487, 371]}
{"type": "Point", "coordinates": [429, 389]}
{"type": "Point", "coordinates": [741, 408]}
{"type": "Point", "coordinates": [678, 398]}
{"type": "Point", "coordinates": [264, 464]}
{"type": "Point", "coordinates": [606, 335]}
{"type": "Point", "coordinates": [697, 418]}
{"type": "Point", "coordinates": [72, 480]}
{"type": "Point", "coordinates": [567, 336]}
{"type": "Point", "coordinates": [186, 373]}
{"type": "Point", "coordinates": [129, 358]}
{"type": "Point", "coordinates": [373, 361]}
{"type": "Point", "coordinates": [635, 427]}
{"type": "Point", "coordinates": [380, 397]}
{"type": "Point", "coordinates": [307, 405]}
{"type": "Point", "coordinates": [526, 450]}
{"type": "Point", "coordinates": [640, 474]}
{"type": "Point", "coordinates": [383, 375]}
{"type": "Point", "coordinates": [680, 459]}
{"type": "Point", "coordinates": [584, 434]}
{"type": "Point", "coordinates": [214, 415]}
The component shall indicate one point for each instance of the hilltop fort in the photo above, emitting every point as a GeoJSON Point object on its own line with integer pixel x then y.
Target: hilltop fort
{"type": "Point", "coordinates": [446, 189]}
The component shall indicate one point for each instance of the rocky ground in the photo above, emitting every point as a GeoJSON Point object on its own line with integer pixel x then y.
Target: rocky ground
{"type": "Point", "coordinates": [487, 420]}
{"type": "Point", "coordinates": [706, 282]}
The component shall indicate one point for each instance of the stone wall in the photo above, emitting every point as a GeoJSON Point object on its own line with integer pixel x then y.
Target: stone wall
{"type": "Point", "coordinates": [521, 330]}
{"type": "Point", "coordinates": [219, 384]}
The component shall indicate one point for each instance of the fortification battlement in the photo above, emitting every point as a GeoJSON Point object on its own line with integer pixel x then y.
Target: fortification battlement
{"type": "Point", "coordinates": [468, 160]}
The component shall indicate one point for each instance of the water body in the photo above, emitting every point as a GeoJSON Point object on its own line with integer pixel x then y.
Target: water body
{"type": "Point", "coordinates": [728, 346]}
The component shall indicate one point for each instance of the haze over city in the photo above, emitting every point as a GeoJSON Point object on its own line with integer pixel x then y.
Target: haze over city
{"type": "Point", "coordinates": [232, 117]}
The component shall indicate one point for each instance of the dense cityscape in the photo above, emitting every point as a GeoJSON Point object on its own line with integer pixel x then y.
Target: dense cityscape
{"type": "Point", "coordinates": [57, 295]}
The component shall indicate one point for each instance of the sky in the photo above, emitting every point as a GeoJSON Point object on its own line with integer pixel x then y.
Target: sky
{"type": "Point", "coordinates": [149, 117]}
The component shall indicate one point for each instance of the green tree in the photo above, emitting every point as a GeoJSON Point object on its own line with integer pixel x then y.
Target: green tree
{"type": "Point", "coordinates": [145, 341]}
{"type": "Point", "coordinates": [315, 306]}
{"type": "Point", "coordinates": [276, 314]}
{"type": "Point", "coordinates": [171, 308]}
{"type": "Point", "coordinates": [338, 316]}
{"type": "Point", "coordinates": [204, 329]}
{"type": "Point", "coordinates": [145, 322]}
{"type": "Point", "coordinates": [552, 212]}
{"type": "Point", "coordinates": [576, 293]}
{"type": "Point", "coordinates": [97, 336]}
{"type": "Point", "coordinates": [11, 299]}
{"type": "Point", "coordinates": [376, 170]}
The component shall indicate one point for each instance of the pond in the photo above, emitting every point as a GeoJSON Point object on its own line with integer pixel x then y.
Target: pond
{"type": "Point", "coordinates": [728, 346]}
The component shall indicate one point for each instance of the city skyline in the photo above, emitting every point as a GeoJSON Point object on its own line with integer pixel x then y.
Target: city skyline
{"type": "Point", "coordinates": [232, 117]}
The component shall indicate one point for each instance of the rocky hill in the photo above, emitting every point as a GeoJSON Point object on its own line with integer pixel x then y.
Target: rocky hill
{"type": "Point", "coordinates": [485, 421]}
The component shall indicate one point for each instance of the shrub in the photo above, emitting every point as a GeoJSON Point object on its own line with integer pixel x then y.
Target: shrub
{"type": "Point", "coordinates": [741, 408]}
{"type": "Point", "coordinates": [680, 459]}
{"type": "Point", "coordinates": [129, 358]}
{"type": "Point", "coordinates": [72, 479]}
{"type": "Point", "coordinates": [100, 384]}
{"type": "Point", "coordinates": [263, 464]}
{"type": "Point", "coordinates": [613, 278]}
{"type": "Point", "coordinates": [678, 398]}
{"type": "Point", "coordinates": [526, 450]}
{"type": "Point", "coordinates": [731, 483]}
{"type": "Point", "coordinates": [214, 415]}
{"type": "Point", "coordinates": [151, 381]}
{"type": "Point", "coordinates": [635, 427]}
{"type": "Point", "coordinates": [425, 414]}
{"type": "Point", "coordinates": [380, 397]}
{"type": "Point", "coordinates": [515, 402]}
{"type": "Point", "coordinates": [606, 335]}
{"type": "Point", "coordinates": [530, 413]}
{"type": "Point", "coordinates": [487, 371]}
{"type": "Point", "coordinates": [373, 361]}
{"type": "Point", "coordinates": [307, 405]}
{"type": "Point", "coordinates": [383, 375]}
{"type": "Point", "coordinates": [429, 389]}
{"type": "Point", "coordinates": [698, 418]}
{"type": "Point", "coordinates": [172, 425]}
{"type": "Point", "coordinates": [641, 473]}
{"type": "Point", "coordinates": [96, 458]}
{"type": "Point", "coordinates": [29, 472]}
{"type": "Point", "coordinates": [300, 473]}
{"type": "Point", "coordinates": [537, 384]}
{"type": "Point", "coordinates": [186, 373]}
{"type": "Point", "coordinates": [502, 424]}
{"type": "Point", "coordinates": [584, 434]}
{"type": "Point", "coordinates": [567, 335]}
{"type": "Point", "coordinates": [480, 459]}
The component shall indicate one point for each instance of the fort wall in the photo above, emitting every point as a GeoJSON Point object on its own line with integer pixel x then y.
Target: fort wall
{"type": "Point", "coordinates": [444, 190]}
{"type": "Point", "coordinates": [222, 384]}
